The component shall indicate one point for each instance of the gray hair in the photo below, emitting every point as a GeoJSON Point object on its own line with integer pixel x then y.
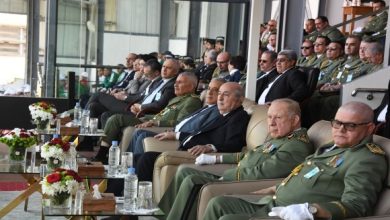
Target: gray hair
{"type": "Point", "coordinates": [191, 77]}
{"type": "Point", "coordinates": [221, 80]}
{"type": "Point", "coordinates": [290, 54]}
{"type": "Point", "coordinates": [212, 54]}
{"type": "Point", "coordinates": [292, 106]}
{"type": "Point", "coordinates": [375, 48]}
{"type": "Point", "coordinates": [359, 108]}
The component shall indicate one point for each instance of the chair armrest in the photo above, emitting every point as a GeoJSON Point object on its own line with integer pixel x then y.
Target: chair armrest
{"type": "Point", "coordinates": [128, 134]}
{"type": "Point", "coordinates": [153, 144]}
{"type": "Point", "coordinates": [210, 190]}
{"type": "Point", "coordinates": [216, 169]}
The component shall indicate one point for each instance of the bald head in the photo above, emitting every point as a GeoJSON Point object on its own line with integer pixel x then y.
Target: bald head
{"type": "Point", "coordinates": [352, 124]}
{"type": "Point", "coordinates": [223, 61]}
{"type": "Point", "coordinates": [360, 109]}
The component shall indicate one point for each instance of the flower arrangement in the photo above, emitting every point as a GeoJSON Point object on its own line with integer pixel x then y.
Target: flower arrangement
{"type": "Point", "coordinates": [60, 184]}
{"type": "Point", "coordinates": [55, 152]}
{"type": "Point", "coordinates": [42, 113]}
{"type": "Point", "coordinates": [18, 140]}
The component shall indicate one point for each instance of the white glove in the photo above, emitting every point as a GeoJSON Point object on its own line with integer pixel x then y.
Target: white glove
{"type": "Point", "coordinates": [206, 159]}
{"type": "Point", "coordinates": [292, 212]}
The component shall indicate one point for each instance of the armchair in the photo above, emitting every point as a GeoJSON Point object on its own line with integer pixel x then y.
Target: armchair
{"type": "Point", "coordinates": [166, 165]}
{"type": "Point", "coordinates": [319, 134]}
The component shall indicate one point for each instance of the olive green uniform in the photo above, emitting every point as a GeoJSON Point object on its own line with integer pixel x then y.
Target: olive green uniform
{"type": "Point", "coordinates": [376, 27]}
{"type": "Point", "coordinates": [176, 110]}
{"type": "Point", "coordinates": [273, 159]}
{"type": "Point", "coordinates": [320, 62]}
{"type": "Point", "coordinates": [306, 61]}
{"type": "Point", "coordinates": [330, 70]}
{"type": "Point", "coordinates": [344, 181]}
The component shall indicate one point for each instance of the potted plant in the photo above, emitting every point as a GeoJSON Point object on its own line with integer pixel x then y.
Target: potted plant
{"type": "Point", "coordinates": [59, 186]}
{"type": "Point", "coordinates": [41, 114]}
{"type": "Point", "coordinates": [18, 140]}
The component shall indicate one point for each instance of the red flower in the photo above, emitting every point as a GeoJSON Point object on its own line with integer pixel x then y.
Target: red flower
{"type": "Point", "coordinates": [65, 146]}
{"type": "Point", "coordinates": [74, 175]}
{"type": "Point", "coordinates": [56, 141]}
{"type": "Point", "coordinates": [54, 177]}
{"type": "Point", "coordinates": [24, 135]}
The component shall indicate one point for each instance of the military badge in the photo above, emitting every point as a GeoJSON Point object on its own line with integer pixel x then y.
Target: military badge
{"type": "Point", "coordinates": [375, 148]}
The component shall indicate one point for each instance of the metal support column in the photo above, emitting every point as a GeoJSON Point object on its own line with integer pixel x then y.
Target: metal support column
{"type": "Point", "coordinates": [51, 46]}
{"type": "Point", "coordinates": [256, 17]}
{"type": "Point", "coordinates": [233, 33]}
{"type": "Point", "coordinates": [193, 48]}
{"type": "Point", "coordinates": [32, 46]}
{"type": "Point", "coordinates": [164, 25]}
{"type": "Point", "coordinates": [100, 32]}
{"type": "Point", "coordinates": [292, 17]}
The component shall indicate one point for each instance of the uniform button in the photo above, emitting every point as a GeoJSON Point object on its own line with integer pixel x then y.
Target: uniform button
{"type": "Point", "coordinates": [238, 164]}
{"type": "Point", "coordinates": [273, 197]}
{"type": "Point", "coordinates": [309, 163]}
{"type": "Point", "coordinates": [322, 170]}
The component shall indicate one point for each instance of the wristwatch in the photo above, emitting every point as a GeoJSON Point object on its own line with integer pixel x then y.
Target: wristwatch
{"type": "Point", "coordinates": [312, 209]}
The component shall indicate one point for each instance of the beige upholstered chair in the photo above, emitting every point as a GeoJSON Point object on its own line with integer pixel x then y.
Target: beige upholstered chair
{"type": "Point", "coordinates": [319, 134]}
{"type": "Point", "coordinates": [166, 165]}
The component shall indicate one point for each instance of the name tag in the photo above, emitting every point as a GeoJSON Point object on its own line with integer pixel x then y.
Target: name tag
{"type": "Point", "coordinates": [312, 173]}
{"type": "Point", "coordinates": [339, 75]}
{"type": "Point", "coordinates": [349, 78]}
{"type": "Point", "coordinates": [158, 96]}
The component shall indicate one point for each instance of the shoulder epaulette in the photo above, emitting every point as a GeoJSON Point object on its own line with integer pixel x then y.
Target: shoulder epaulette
{"type": "Point", "coordinates": [375, 148]}
{"type": "Point", "coordinates": [290, 136]}
{"type": "Point", "coordinates": [304, 138]}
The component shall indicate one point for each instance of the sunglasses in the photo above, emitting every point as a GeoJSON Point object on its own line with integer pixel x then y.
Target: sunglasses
{"type": "Point", "coordinates": [306, 48]}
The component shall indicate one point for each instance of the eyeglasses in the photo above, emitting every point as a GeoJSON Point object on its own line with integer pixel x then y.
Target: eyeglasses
{"type": "Point", "coordinates": [306, 48]}
{"type": "Point", "coordinates": [263, 61]}
{"type": "Point", "coordinates": [349, 126]}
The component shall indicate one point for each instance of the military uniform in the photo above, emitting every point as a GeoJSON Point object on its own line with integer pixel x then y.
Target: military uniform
{"type": "Point", "coordinates": [306, 61]}
{"type": "Point", "coordinates": [273, 159]}
{"type": "Point", "coordinates": [327, 73]}
{"type": "Point", "coordinates": [320, 62]}
{"type": "Point", "coordinates": [344, 181]}
{"type": "Point", "coordinates": [219, 74]}
{"type": "Point", "coordinates": [176, 110]}
{"type": "Point", "coordinates": [350, 70]}
{"type": "Point", "coordinates": [377, 25]}
{"type": "Point", "coordinates": [333, 34]}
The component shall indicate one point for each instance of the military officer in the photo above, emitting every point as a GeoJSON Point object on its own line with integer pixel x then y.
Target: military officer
{"type": "Point", "coordinates": [376, 27]}
{"type": "Point", "coordinates": [308, 55]}
{"type": "Point", "coordinates": [178, 108]}
{"type": "Point", "coordinates": [288, 146]}
{"type": "Point", "coordinates": [340, 180]}
{"type": "Point", "coordinates": [320, 46]}
{"type": "Point", "coordinates": [324, 29]}
{"type": "Point", "coordinates": [335, 55]}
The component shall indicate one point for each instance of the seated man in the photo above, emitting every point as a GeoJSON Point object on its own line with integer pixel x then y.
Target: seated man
{"type": "Point", "coordinates": [335, 55]}
{"type": "Point", "coordinates": [178, 108]}
{"type": "Point", "coordinates": [340, 180]}
{"type": "Point", "coordinates": [290, 82]}
{"type": "Point", "coordinates": [268, 73]}
{"type": "Point", "coordinates": [225, 134]}
{"type": "Point", "coordinates": [308, 55]}
{"type": "Point", "coordinates": [288, 147]}
{"type": "Point", "coordinates": [193, 122]}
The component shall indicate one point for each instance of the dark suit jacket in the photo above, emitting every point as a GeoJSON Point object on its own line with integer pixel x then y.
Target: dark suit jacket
{"type": "Point", "coordinates": [263, 82]}
{"type": "Point", "coordinates": [125, 81]}
{"type": "Point", "coordinates": [234, 78]}
{"type": "Point", "coordinates": [201, 118]}
{"type": "Point", "coordinates": [205, 73]}
{"type": "Point", "coordinates": [291, 84]}
{"type": "Point", "coordinates": [227, 133]}
{"type": "Point", "coordinates": [167, 93]}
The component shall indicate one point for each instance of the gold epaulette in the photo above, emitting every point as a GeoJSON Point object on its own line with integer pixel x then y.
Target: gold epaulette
{"type": "Point", "coordinates": [375, 148]}
{"type": "Point", "coordinates": [304, 138]}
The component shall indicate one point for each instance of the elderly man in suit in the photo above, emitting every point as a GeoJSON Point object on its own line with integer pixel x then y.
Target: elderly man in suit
{"type": "Point", "coordinates": [288, 147]}
{"type": "Point", "coordinates": [340, 180]}
{"type": "Point", "coordinates": [178, 108]}
{"type": "Point", "coordinates": [290, 83]}
{"type": "Point", "coordinates": [224, 134]}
